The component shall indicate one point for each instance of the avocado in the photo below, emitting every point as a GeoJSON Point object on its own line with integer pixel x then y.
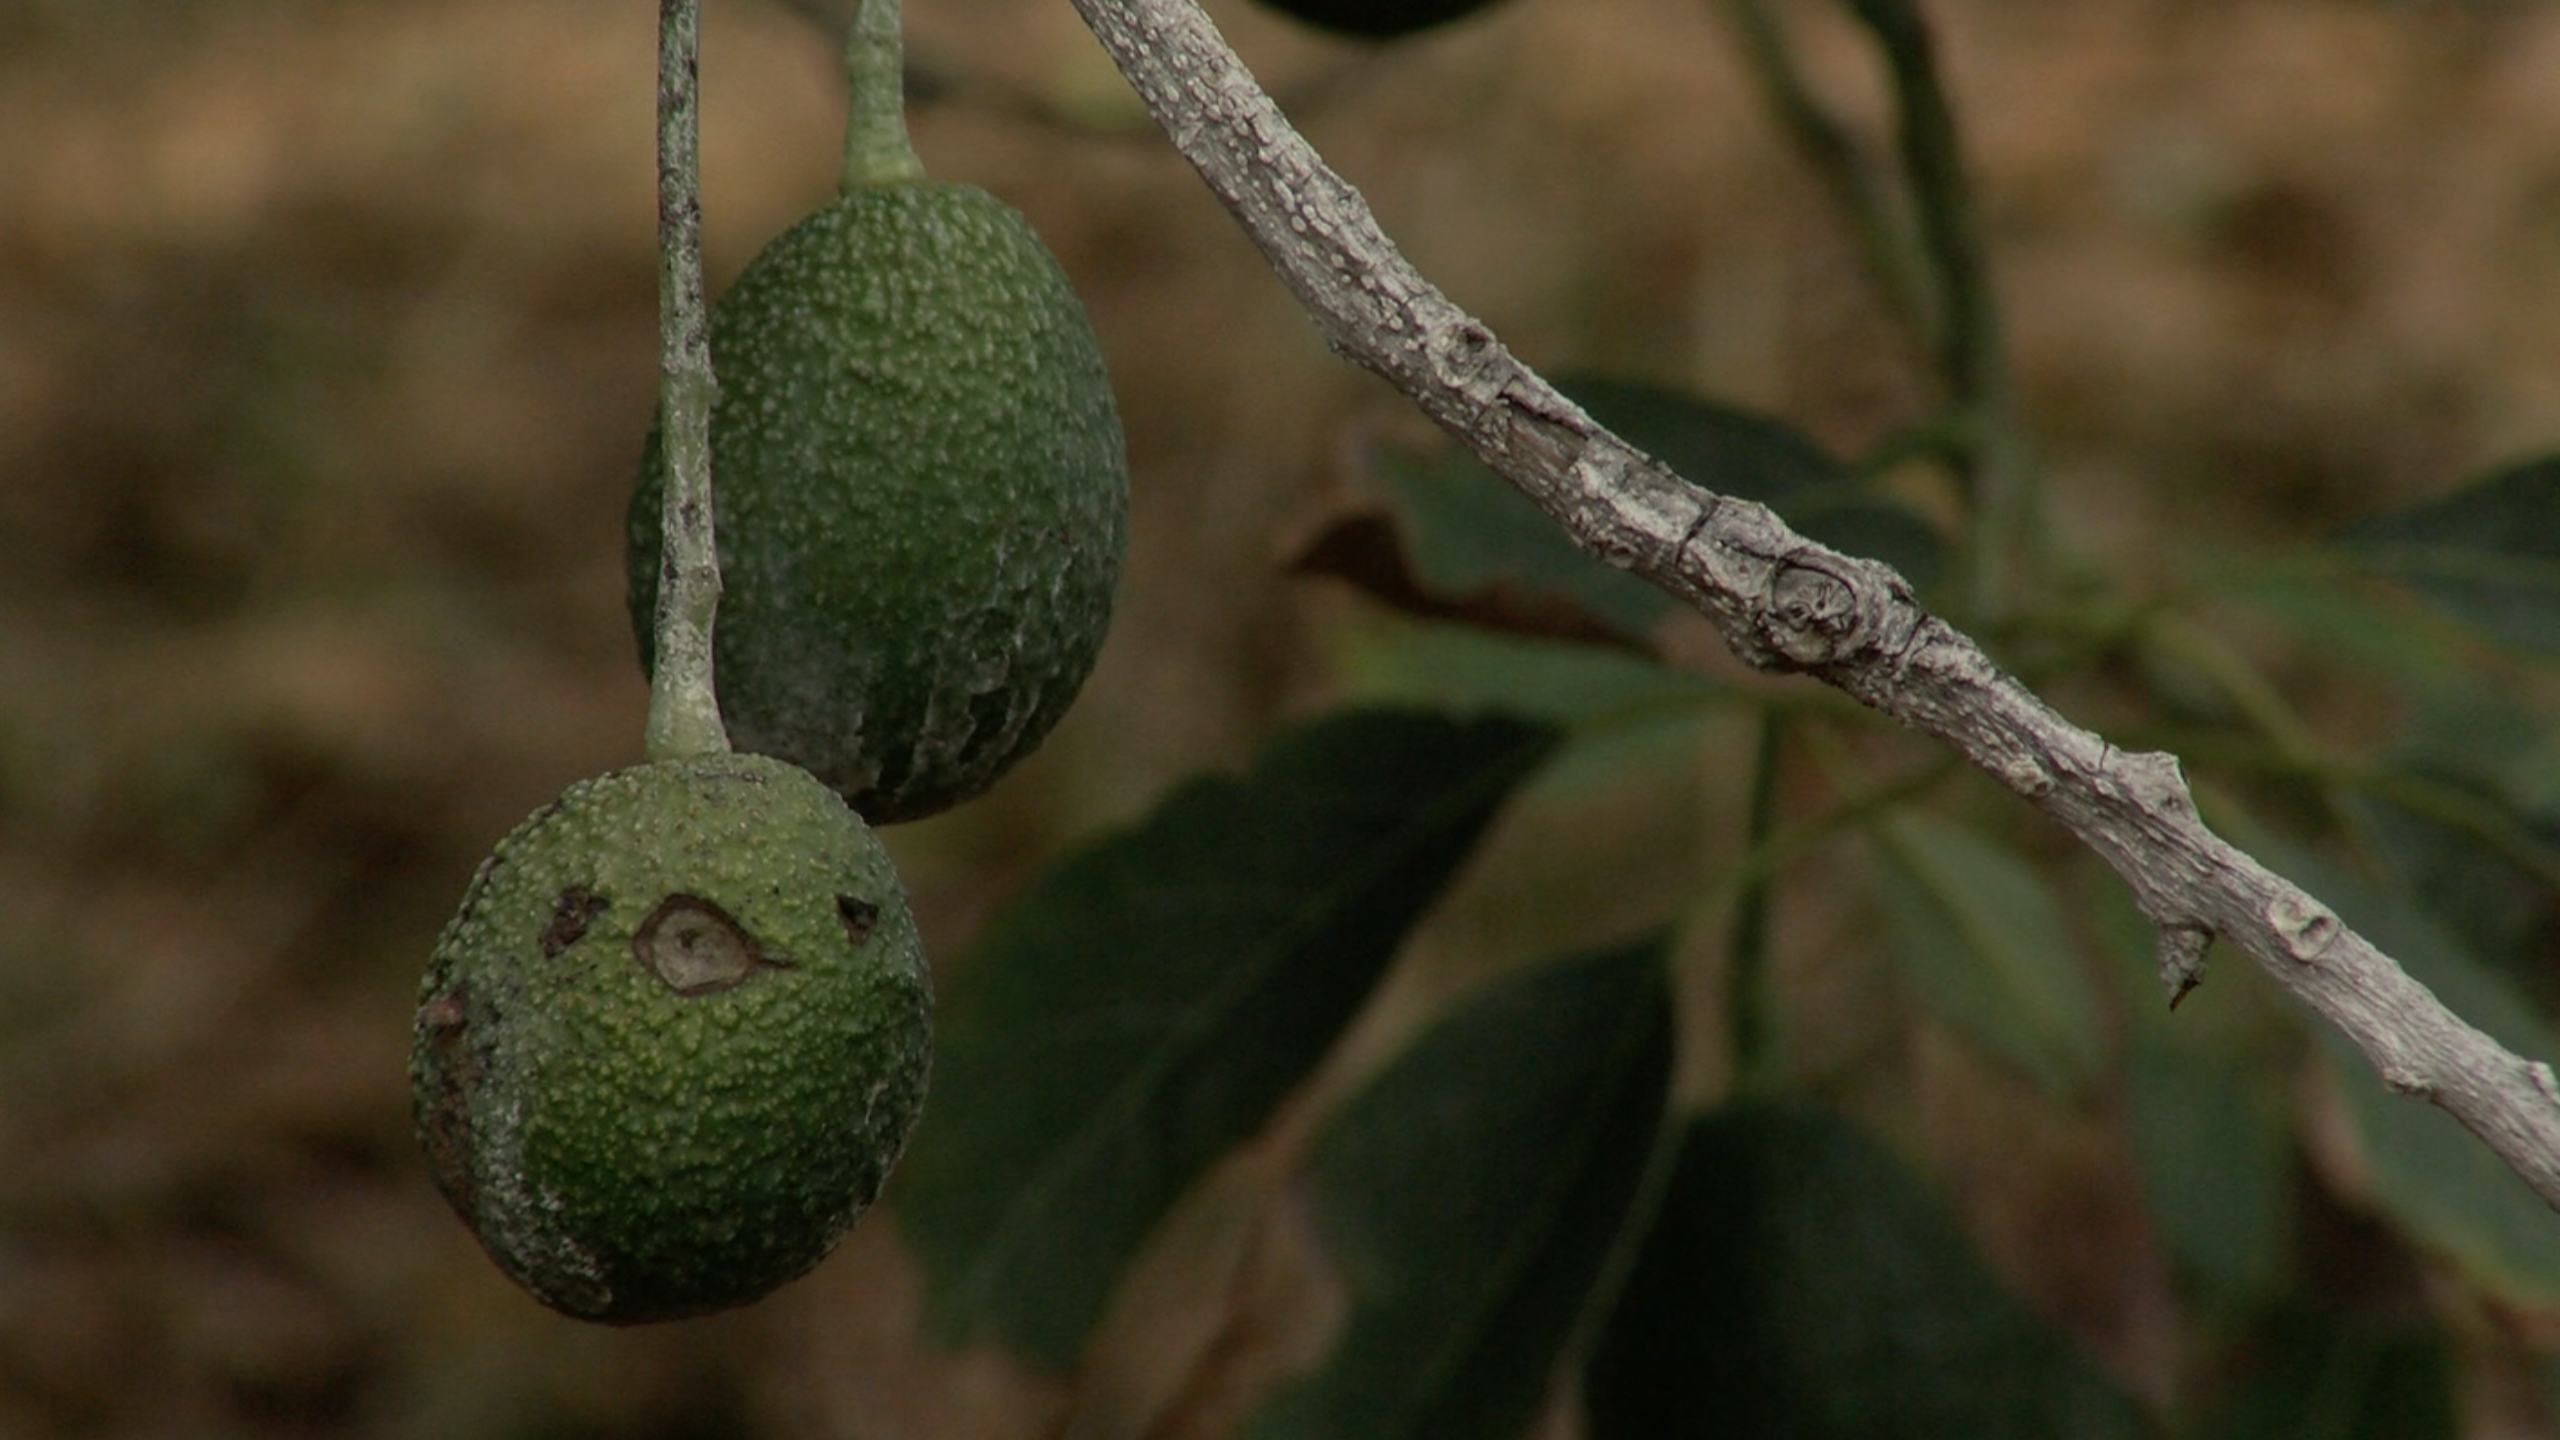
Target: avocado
{"type": "Point", "coordinates": [922, 497]}
{"type": "Point", "coordinates": [1377, 19]}
{"type": "Point", "coordinates": [675, 1037]}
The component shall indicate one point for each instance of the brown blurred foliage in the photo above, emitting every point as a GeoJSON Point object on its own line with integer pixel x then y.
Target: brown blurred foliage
{"type": "Point", "coordinates": [326, 342]}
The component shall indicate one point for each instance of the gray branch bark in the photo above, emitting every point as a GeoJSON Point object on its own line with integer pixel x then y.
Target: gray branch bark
{"type": "Point", "coordinates": [1784, 603]}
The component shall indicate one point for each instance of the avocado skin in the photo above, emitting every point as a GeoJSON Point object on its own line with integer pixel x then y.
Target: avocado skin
{"type": "Point", "coordinates": [630, 1153]}
{"type": "Point", "coordinates": [921, 498]}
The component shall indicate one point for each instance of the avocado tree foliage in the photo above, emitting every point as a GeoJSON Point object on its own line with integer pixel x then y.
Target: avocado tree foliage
{"type": "Point", "coordinates": [1531, 1201]}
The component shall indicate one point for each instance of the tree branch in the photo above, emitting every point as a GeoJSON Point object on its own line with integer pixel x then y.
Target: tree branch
{"type": "Point", "coordinates": [1784, 603]}
{"type": "Point", "coordinates": [684, 714]}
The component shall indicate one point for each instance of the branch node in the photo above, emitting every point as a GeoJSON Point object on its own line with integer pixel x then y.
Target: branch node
{"type": "Point", "coordinates": [2544, 1080]}
{"type": "Point", "coordinates": [2305, 927]}
{"type": "Point", "coordinates": [2415, 1084]}
{"type": "Point", "coordinates": [1812, 614]}
{"type": "Point", "coordinates": [2023, 772]}
{"type": "Point", "coordinates": [2182, 950]}
{"type": "Point", "coordinates": [2153, 780]}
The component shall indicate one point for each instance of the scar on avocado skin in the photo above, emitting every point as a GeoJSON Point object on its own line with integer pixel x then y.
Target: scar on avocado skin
{"type": "Point", "coordinates": [577, 909]}
{"type": "Point", "coordinates": [696, 947]}
{"type": "Point", "coordinates": [859, 916]}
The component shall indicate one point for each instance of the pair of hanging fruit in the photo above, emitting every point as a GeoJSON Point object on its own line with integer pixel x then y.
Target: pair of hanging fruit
{"type": "Point", "coordinates": [675, 1038]}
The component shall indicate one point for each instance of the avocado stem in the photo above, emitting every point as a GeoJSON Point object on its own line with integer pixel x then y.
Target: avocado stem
{"type": "Point", "coordinates": [684, 712]}
{"type": "Point", "coordinates": [876, 151]}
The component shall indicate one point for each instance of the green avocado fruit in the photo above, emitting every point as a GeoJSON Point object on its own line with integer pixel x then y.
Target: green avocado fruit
{"type": "Point", "coordinates": [1378, 19]}
{"type": "Point", "coordinates": [670, 1046]}
{"type": "Point", "coordinates": [922, 498]}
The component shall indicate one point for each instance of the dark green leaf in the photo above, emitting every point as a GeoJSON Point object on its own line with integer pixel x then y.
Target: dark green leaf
{"type": "Point", "coordinates": [2488, 553]}
{"type": "Point", "coordinates": [1799, 1283]}
{"type": "Point", "coordinates": [1985, 949]}
{"type": "Point", "coordinates": [2311, 1374]}
{"type": "Point", "coordinates": [2488, 737]}
{"type": "Point", "coordinates": [1461, 544]}
{"type": "Point", "coordinates": [1468, 534]}
{"type": "Point", "coordinates": [2216, 1162]}
{"type": "Point", "coordinates": [1614, 835]}
{"type": "Point", "coordinates": [1143, 1005]}
{"type": "Point", "coordinates": [2340, 614]}
{"type": "Point", "coordinates": [1471, 1195]}
{"type": "Point", "coordinates": [2205, 1111]}
{"type": "Point", "coordinates": [1851, 517]}
{"type": "Point", "coordinates": [2462, 816]}
{"type": "Point", "coordinates": [1399, 661]}
{"type": "Point", "coordinates": [1752, 457]}
{"type": "Point", "coordinates": [1730, 451]}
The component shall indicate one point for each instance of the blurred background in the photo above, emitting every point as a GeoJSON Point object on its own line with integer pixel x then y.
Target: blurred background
{"type": "Point", "coordinates": [327, 342]}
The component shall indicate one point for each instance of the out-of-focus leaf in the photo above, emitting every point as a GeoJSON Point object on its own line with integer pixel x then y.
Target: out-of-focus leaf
{"type": "Point", "coordinates": [1456, 542]}
{"type": "Point", "coordinates": [1753, 457]}
{"type": "Point", "coordinates": [1616, 832]}
{"type": "Point", "coordinates": [1460, 668]}
{"type": "Point", "coordinates": [2310, 1372]}
{"type": "Point", "coordinates": [2215, 1158]}
{"type": "Point", "coordinates": [1799, 1284]}
{"type": "Point", "coordinates": [2464, 819]}
{"type": "Point", "coordinates": [2484, 735]}
{"type": "Point", "coordinates": [2338, 613]}
{"type": "Point", "coordinates": [2429, 1175]}
{"type": "Point", "coordinates": [1851, 517]}
{"type": "Point", "coordinates": [2488, 553]}
{"type": "Point", "coordinates": [1730, 451]}
{"type": "Point", "coordinates": [1143, 1005]}
{"type": "Point", "coordinates": [2209, 1133]}
{"type": "Point", "coordinates": [1470, 1196]}
{"type": "Point", "coordinates": [1984, 949]}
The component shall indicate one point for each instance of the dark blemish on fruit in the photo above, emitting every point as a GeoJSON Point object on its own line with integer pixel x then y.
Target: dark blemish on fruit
{"type": "Point", "coordinates": [859, 916]}
{"type": "Point", "coordinates": [456, 1068]}
{"type": "Point", "coordinates": [578, 908]}
{"type": "Point", "coordinates": [696, 948]}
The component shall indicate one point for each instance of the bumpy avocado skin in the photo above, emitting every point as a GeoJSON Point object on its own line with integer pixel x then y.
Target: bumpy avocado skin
{"type": "Point", "coordinates": [921, 498]}
{"type": "Point", "coordinates": [628, 1152]}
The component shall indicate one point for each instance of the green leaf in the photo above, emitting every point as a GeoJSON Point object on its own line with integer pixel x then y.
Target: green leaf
{"type": "Point", "coordinates": [1467, 532]}
{"type": "Point", "coordinates": [2489, 554]}
{"type": "Point", "coordinates": [1471, 1195]}
{"type": "Point", "coordinates": [1143, 1005]}
{"type": "Point", "coordinates": [2433, 1178]}
{"type": "Point", "coordinates": [2334, 611]}
{"type": "Point", "coordinates": [1461, 544]}
{"type": "Point", "coordinates": [1733, 452]}
{"type": "Point", "coordinates": [1799, 1284]}
{"type": "Point", "coordinates": [2216, 1163]}
{"type": "Point", "coordinates": [1984, 948]}
{"type": "Point", "coordinates": [2205, 1112]}
{"type": "Point", "coordinates": [2487, 736]}
{"type": "Point", "coordinates": [1753, 457]}
{"type": "Point", "coordinates": [2450, 822]}
{"type": "Point", "coordinates": [1399, 661]}
{"type": "Point", "coordinates": [2311, 1373]}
